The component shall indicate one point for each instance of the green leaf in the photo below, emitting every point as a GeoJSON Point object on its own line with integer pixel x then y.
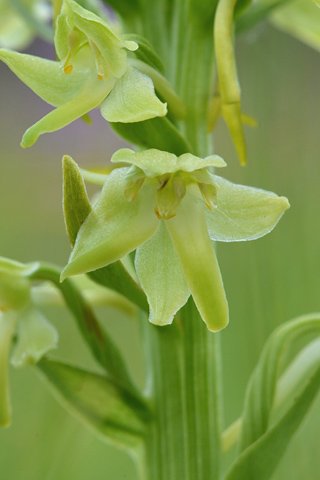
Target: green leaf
{"type": "Point", "coordinates": [108, 410]}
{"type": "Point", "coordinates": [145, 52]}
{"type": "Point", "coordinates": [157, 133]}
{"type": "Point", "coordinates": [76, 209]}
{"type": "Point", "coordinates": [125, 8]}
{"type": "Point", "coordinates": [301, 19]}
{"type": "Point", "coordinates": [257, 13]}
{"type": "Point", "coordinates": [241, 7]}
{"type": "Point", "coordinates": [260, 459]}
{"type": "Point", "coordinates": [262, 385]}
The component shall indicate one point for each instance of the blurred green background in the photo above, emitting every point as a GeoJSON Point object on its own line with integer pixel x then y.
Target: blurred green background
{"type": "Point", "coordinates": [267, 282]}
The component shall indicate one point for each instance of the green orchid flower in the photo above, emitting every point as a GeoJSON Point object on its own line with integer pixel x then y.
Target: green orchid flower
{"type": "Point", "coordinates": [35, 335]}
{"type": "Point", "coordinates": [92, 70]}
{"type": "Point", "coordinates": [170, 209]}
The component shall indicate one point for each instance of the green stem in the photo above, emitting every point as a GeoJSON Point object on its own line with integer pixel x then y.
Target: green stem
{"type": "Point", "coordinates": [184, 438]}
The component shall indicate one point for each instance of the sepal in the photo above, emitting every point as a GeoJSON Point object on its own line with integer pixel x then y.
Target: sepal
{"type": "Point", "coordinates": [76, 209]}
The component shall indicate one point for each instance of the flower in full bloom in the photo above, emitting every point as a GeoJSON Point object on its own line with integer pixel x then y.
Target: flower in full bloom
{"type": "Point", "coordinates": [170, 209]}
{"type": "Point", "coordinates": [18, 316]}
{"type": "Point", "coordinates": [92, 71]}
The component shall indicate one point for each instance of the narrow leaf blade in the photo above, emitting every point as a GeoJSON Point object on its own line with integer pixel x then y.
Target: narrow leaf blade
{"type": "Point", "coordinates": [95, 400]}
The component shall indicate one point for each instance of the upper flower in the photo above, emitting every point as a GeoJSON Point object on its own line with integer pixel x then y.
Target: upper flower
{"type": "Point", "coordinates": [35, 335]}
{"type": "Point", "coordinates": [170, 208]}
{"type": "Point", "coordinates": [92, 70]}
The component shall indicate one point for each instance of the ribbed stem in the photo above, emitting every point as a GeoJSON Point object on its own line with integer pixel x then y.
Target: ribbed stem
{"type": "Point", "coordinates": [183, 387]}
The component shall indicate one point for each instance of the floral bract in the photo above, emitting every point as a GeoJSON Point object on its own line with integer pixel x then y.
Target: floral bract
{"type": "Point", "coordinates": [170, 209]}
{"type": "Point", "coordinates": [35, 335]}
{"type": "Point", "coordinates": [93, 70]}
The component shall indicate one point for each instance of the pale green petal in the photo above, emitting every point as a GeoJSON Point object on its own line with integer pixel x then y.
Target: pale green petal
{"type": "Point", "coordinates": [243, 213]}
{"type": "Point", "coordinates": [300, 18]}
{"type": "Point", "coordinates": [44, 77]}
{"type": "Point", "coordinates": [132, 99]}
{"type": "Point", "coordinates": [189, 234]}
{"type": "Point", "coordinates": [161, 276]}
{"type": "Point", "coordinates": [112, 57]}
{"type": "Point", "coordinates": [163, 87]}
{"type": "Point", "coordinates": [114, 228]}
{"type": "Point", "coordinates": [16, 268]}
{"type": "Point", "coordinates": [8, 323]}
{"type": "Point", "coordinates": [90, 96]}
{"type": "Point", "coordinates": [36, 336]}
{"type": "Point", "coordinates": [156, 162]}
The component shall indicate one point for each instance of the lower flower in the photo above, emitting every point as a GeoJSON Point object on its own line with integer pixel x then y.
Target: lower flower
{"type": "Point", "coordinates": [171, 209]}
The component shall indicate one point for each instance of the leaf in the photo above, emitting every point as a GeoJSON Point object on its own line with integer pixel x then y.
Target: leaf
{"type": "Point", "coordinates": [125, 8]}
{"type": "Point", "coordinates": [262, 385]}
{"type": "Point", "coordinates": [260, 459]}
{"type": "Point", "coordinates": [262, 444]}
{"type": "Point", "coordinates": [108, 410]}
{"type": "Point", "coordinates": [257, 13]}
{"type": "Point", "coordinates": [76, 209]}
{"type": "Point", "coordinates": [157, 133]}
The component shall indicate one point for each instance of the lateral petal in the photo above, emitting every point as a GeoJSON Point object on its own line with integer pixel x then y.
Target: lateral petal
{"type": "Point", "coordinates": [36, 336]}
{"type": "Point", "coordinates": [132, 99]}
{"type": "Point", "coordinates": [189, 234]}
{"type": "Point", "coordinates": [114, 228]}
{"type": "Point", "coordinates": [161, 276]}
{"type": "Point", "coordinates": [243, 213]}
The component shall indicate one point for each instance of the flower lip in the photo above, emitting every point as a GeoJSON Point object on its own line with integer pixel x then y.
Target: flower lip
{"type": "Point", "coordinates": [155, 163]}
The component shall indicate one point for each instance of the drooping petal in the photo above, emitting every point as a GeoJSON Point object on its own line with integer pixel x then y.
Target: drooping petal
{"type": "Point", "coordinates": [243, 213]}
{"type": "Point", "coordinates": [8, 323]}
{"type": "Point", "coordinates": [161, 276]}
{"type": "Point", "coordinates": [189, 234]}
{"type": "Point", "coordinates": [36, 336]}
{"type": "Point", "coordinates": [157, 162]}
{"type": "Point", "coordinates": [90, 96]}
{"type": "Point", "coordinates": [114, 228]}
{"type": "Point", "coordinates": [132, 99]}
{"type": "Point", "coordinates": [44, 77]}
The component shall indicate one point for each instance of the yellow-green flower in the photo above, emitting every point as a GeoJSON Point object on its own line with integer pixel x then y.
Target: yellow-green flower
{"type": "Point", "coordinates": [92, 71]}
{"type": "Point", "coordinates": [35, 335]}
{"type": "Point", "coordinates": [170, 209]}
